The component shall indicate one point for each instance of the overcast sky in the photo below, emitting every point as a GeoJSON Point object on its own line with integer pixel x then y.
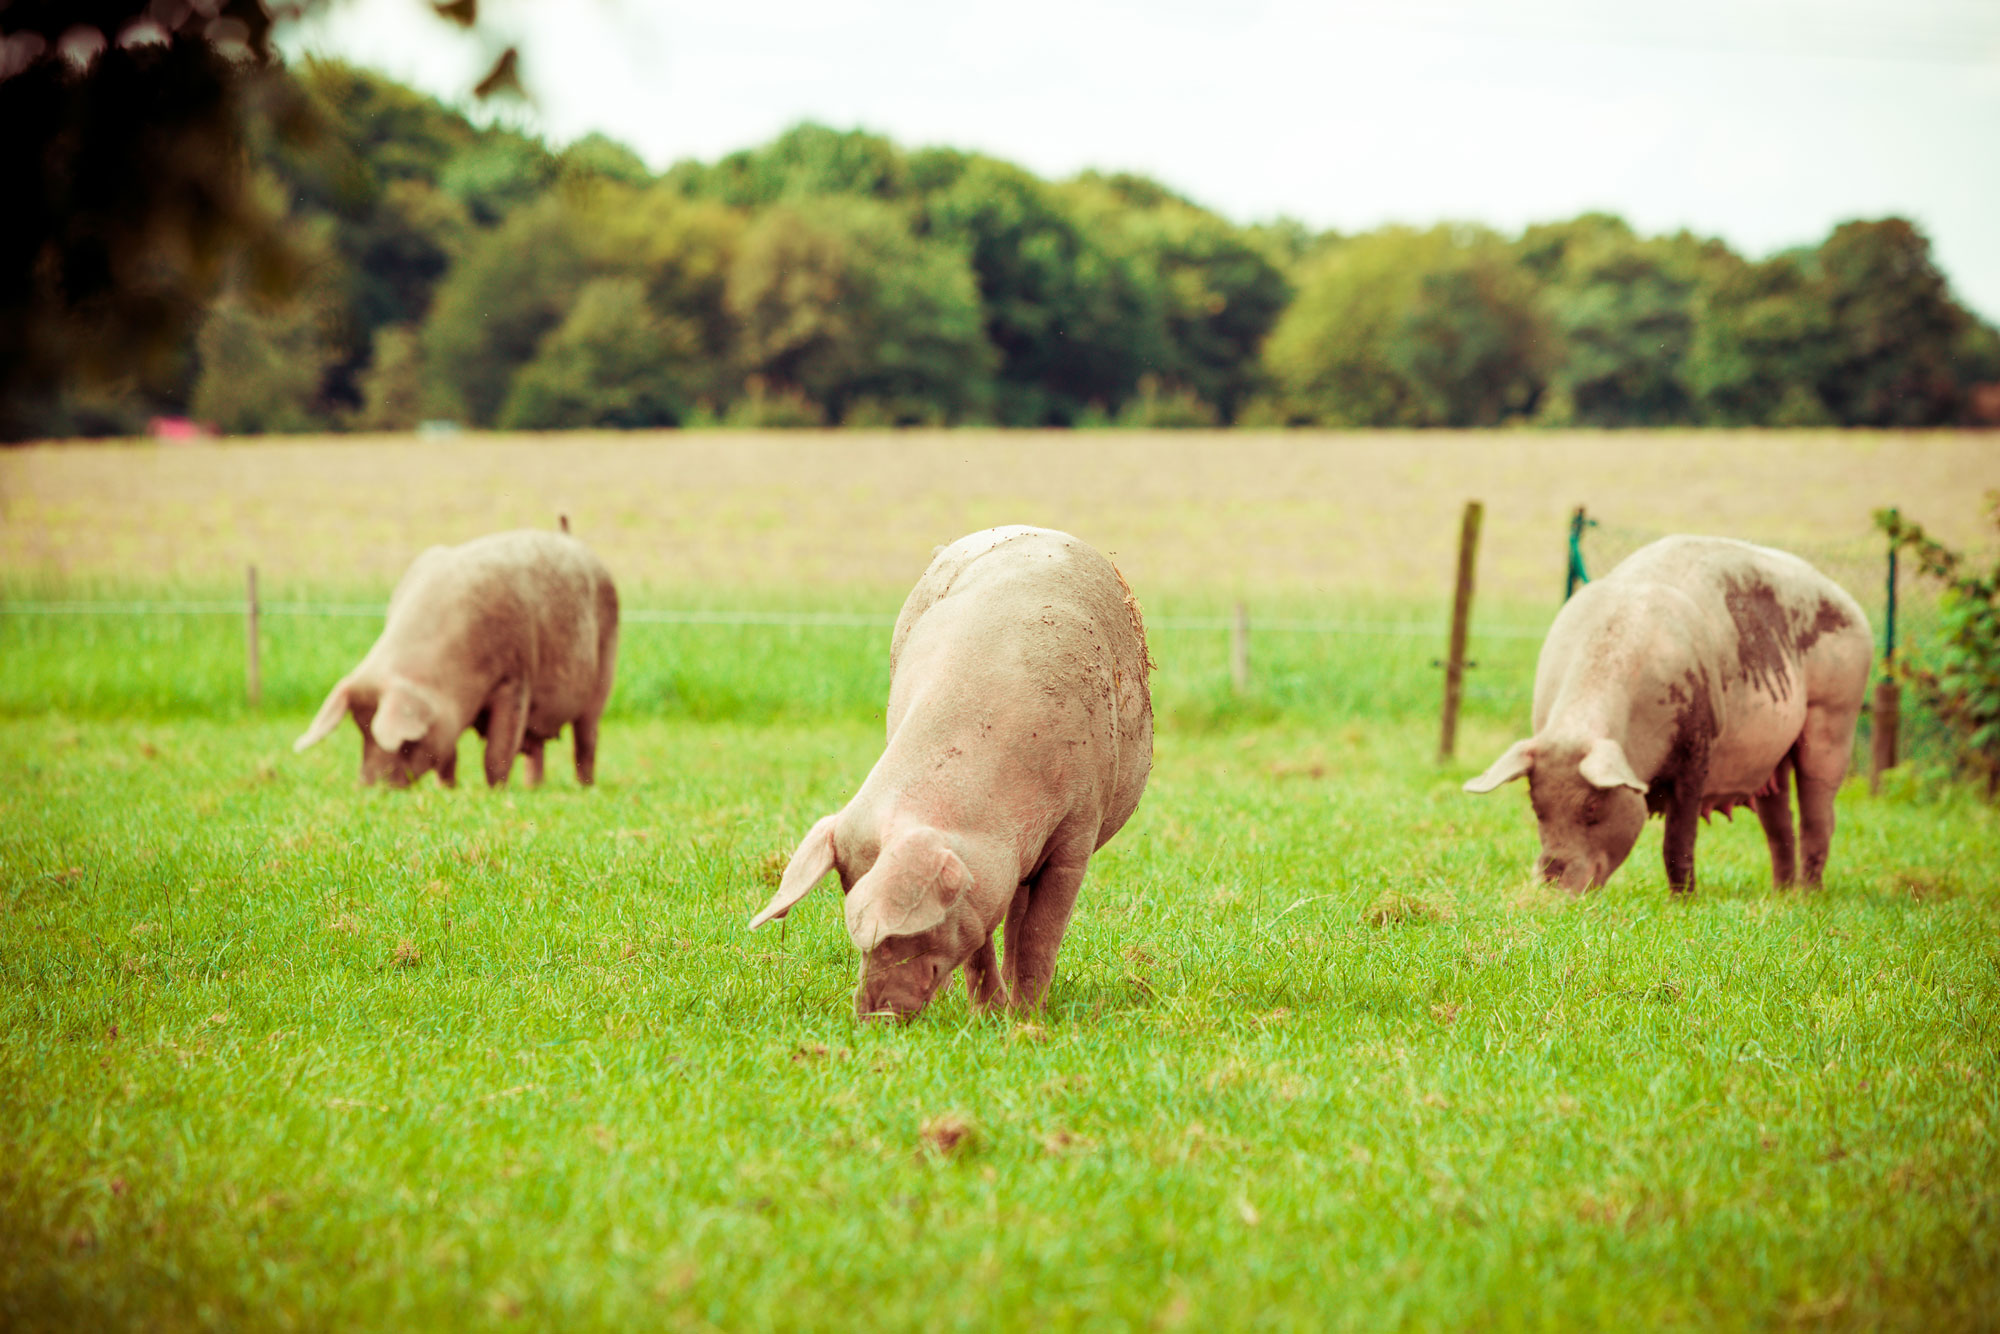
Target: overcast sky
{"type": "Point", "coordinates": [1764, 122]}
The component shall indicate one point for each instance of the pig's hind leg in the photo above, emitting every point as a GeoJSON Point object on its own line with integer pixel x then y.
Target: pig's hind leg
{"type": "Point", "coordinates": [583, 738]}
{"type": "Point", "coordinates": [531, 747]}
{"type": "Point", "coordinates": [506, 728]}
{"type": "Point", "coordinates": [1773, 804]}
{"type": "Point", "coordinates": [1823, 752]}
{"type": "Point", "coordinates": [1035, 933]}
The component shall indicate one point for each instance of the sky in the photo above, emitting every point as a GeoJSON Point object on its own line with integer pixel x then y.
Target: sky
{"type": "Point", "coordinates": [1763, 122]}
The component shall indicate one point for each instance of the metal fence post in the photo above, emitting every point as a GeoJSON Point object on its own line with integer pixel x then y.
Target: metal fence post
{"type": "Point", "coordinates": [1575, 574]}
{"type": "Point", "coordinates": [1461, 612]}
{"type": "Point", "coordinates": [1887, 717]}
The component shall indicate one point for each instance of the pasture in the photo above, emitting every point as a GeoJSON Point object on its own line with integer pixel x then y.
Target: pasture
{"type": "Point", "coordinates": [277, 1051]}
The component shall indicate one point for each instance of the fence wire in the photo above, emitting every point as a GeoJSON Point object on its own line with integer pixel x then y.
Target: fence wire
{"type": "Point", "coordinates": [801, 619]}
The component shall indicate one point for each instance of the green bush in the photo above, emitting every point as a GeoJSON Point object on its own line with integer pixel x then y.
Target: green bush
{"type": "Point", "coordinates": [1961, 682]}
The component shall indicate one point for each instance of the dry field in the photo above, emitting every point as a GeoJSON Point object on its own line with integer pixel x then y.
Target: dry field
{"type": "Point", "coordinates": [1188, 514]}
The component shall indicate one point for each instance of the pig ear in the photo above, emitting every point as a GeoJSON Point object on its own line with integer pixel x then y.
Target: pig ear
{"type": "Point", "coordinates": [808, 866]}
{"type": "Point", "coordinates": [907, 906]}
{"type": "Point", "coordinates": [1605, 766]}
{"type": "Point", "coordinates": [330, 714]}
{"type": "Point", "coordinates": [1515, 763]}
{"type": "Point", "coordinates": [402, 716]}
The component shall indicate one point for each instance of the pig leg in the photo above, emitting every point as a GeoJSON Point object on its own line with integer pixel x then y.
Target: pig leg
{"type": "Point", "coordinates": [448, 768]}
{"type": "Point", "coordinates": [1823, 751]}
{"type": "Point", "coordinates": [583, 736]}
{"type": "Point", "coordinates": [1010, 966]}
{"type": "Point", "coordinates": [982, 977]}
{"type": "Point", "coordinates": [1774, 811]}
{"type": "Point", "coordinates": [506, 726]}
{"type": "Point", "coordinates": [1683, 821]}
{"type": "Point", "coordinates": [1031, 951]}
{"type": "Point", "coordinates": [531, 747]}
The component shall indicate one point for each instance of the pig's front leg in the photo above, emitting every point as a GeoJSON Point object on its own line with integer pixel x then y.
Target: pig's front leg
{"type": "Point", "coordinates": [506, 726]}
{"type": "Point", "coordinates": [1683, 822]}
{"type": "Point", "coordinates": [532, 748]}
{"type": "Point", "coordinates": [982, 977]}
{"type": "Point", "coordinates": [448, 767]}
{"type": "Point", "coordinates": [1031, 948]}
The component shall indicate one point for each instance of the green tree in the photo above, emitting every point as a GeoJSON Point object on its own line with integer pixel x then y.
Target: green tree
{"type": "Point", "coordinates": [1216, 292]}
{"type": "Point", "coordinates": [1071, 323]}
{"type": "Point", "coordinates": [517, 282]}
{"type": "Point", "coordinates": [512, 285]}
{"type": "Point", "coordinates": [842, 303]}
{"type": "Point", "coordinates": [804, 162]}
{"type": "Point", "coordinates": [1895, 327]}
{"type": "Point", "coordinates": [1623, 310]}
{"type": "Point", "coordinates": [262, 365]}
{"type": "Point", "coordinates": [1762, 346]}
{"type": "Point", "coordinates": [1406, 328]}
{"type": "Point", "coordinates": [601, 157]}
{"type": "Point", "coordinates": [611, 362]}
{"type": "Point", "coordinates": [497, 174]}
{"type": "Point", "coordinates": [392, 388]}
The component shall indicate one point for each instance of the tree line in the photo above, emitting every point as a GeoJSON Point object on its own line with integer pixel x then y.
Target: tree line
{"type": "Point", "coordinates": [410, 265]}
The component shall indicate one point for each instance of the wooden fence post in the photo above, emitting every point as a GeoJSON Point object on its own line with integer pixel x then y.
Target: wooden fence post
{"type": "Point", "coordinates": [253, 670]}
{"type": "Point", "coordinates": [1886, 718]}
{"type": "Point", "coordinates": [1461, 612]}
{"type": "Point", "coordinates": [1239, 651]}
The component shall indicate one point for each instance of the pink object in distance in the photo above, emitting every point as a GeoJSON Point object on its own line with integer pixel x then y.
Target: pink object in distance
{"type": "Point", "coordinates": [179, 429]}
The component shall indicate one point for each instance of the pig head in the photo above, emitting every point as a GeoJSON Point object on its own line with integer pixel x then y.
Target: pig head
{"type": "Point", "coordinates": [915, 915]}
{"type": "Point", "coordinates": [1589, 805]}
{"type": "Point", "coordinates": [407, 729]}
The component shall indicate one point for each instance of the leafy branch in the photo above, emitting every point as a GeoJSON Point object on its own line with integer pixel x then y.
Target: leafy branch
{"type": "Point", "coordinates": [1962, 683]}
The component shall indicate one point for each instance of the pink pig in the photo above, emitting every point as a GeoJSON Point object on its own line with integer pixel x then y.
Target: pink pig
{"type": "Point", "coordinates": [1020, 737]}
{"type": "Point", "coordinates": [513, 634]}
{"type": "Point", "coordinates": [1700, 675]}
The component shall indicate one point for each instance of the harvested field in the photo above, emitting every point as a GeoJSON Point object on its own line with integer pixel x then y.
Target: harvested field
{"type": "Point", "coordinates": [1187, 513]}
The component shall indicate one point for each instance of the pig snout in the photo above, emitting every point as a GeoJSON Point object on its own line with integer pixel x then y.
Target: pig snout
{"type": "Point", "coordinates": [1574, 874]}
{"type": "Point", "coordinates": [899, 989]}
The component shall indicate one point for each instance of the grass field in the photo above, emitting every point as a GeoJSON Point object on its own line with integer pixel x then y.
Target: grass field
{"type": "Point", "coordinates": [277, 1051]}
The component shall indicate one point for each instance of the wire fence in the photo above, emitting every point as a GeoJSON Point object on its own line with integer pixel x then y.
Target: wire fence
{"type": "Point", "coordinates": [801, 619]}
{"type": "Point", "coordinates": [1860, 563]}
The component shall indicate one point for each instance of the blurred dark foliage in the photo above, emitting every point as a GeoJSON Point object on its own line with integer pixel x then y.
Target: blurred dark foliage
{"type": "Point", "coordinates": [202, 230]}
{"type": "Point", "coordinates": [123, 152]}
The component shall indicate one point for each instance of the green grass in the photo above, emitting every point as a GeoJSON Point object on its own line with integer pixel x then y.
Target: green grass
{"type": "Point", "coordinates": [167, 666]}
{"type": "Point", "coordinates": [276, 1051]}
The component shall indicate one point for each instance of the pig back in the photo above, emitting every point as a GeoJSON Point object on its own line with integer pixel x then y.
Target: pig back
{"type": "Point", "coordinates": [530, 605]}
{"type": "Point", "coordinates": [1036, 613]}
{"type": "Point", "coordinates": [1758, 636]}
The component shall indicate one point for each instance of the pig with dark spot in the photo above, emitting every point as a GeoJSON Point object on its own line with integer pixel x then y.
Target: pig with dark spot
{"type": "Point", "coordinates": [1700, 675]}
{"type": "Point", "coordinates": [1020, 734]}
{"type": "Point", "coordinates": [513, 635]}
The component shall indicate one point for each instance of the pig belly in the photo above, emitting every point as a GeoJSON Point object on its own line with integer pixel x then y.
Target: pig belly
{"type": "Point", "coordinates": [1745, 758]}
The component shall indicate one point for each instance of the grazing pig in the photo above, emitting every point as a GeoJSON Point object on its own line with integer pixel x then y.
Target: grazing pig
{"type": "Point", "coordinates": [1020, 737]}
{"type": "Point", "coordinates": [512, 634]}
{"type": "Point", "coordinates": [1700, 675]}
